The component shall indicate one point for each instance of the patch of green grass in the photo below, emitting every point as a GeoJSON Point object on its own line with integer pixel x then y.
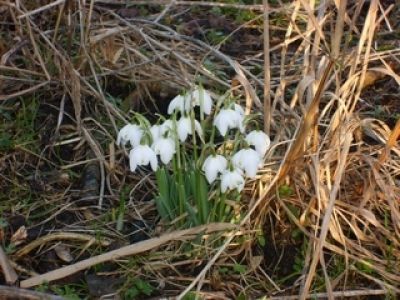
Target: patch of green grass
{"type": "Point", "coordinates": [335, 266]}
{"type": "Point", "coordinates": [136, 288]}
{"type": "Point", "coordinates": [18, 128]}
{"type": "Point", "coordinates": [216, 36]}
{"type": "Point", "coordinates": [391, 258]}
{"type": "Point", "coordinates": [43, 288]}
{"type": "Point", "coordinates": [190, 296]}
{"type": "Point", "coordinates": [5, 114]}
{"type": "Point", "coordinates": [116, 101]}
{"type": "Point", "coordinates": [235, 269]}
{"type": "Point", "coordinates": [386, 47]}
{"type": "Point", "coordinates": [280, 20]}
{"type": "Point", "coordinates": [215, 69]}
{"type": "Point", "coordinates": [239, 15]}
{"type": "Point", "coordinates": [300, 258]}
{"type": "Point", "coordinates": [6, 142]}
{"type": "Point", "coordinates": [261, 238]}
{"type": "Point", "coordinates": [24, 124]}
{"type": "Point", "coordinates": [69, 292]}
{"type": "Point", "coordinates": [285, 191]}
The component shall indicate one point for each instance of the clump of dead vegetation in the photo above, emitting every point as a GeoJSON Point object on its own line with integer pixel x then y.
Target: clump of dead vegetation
{"type": "Point", "coordinates": [321, 219]}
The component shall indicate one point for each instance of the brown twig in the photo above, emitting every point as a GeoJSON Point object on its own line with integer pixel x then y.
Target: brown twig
{"type": "Point", "coordinates": [41, 9]}
{"type": "Point", "coordinates": [306, 126]}
{"type": "Point", "coordinates": [267, 71]}
{"type": "Point", "coordinates": [55, 237]}
{"type": "Point", "coordinates": [125, 251]}
{"type": "Point", "coordinates": [12, 293]}
{"type": "Point", "coordinates": [8, 271]}
{"type": "Point", "coordinates": [338, 294]}
{"type": "Point", "coordinates": [253, 7]}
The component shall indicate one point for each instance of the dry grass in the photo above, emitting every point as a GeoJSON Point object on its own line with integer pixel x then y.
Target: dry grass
{"type": "Point", "coordinates": [340, 166]}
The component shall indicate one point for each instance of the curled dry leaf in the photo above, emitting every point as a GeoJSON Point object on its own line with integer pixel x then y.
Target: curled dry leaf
{"type": "Point", "coordinates": [19, 236]}
{"type": "Point", "coordinates": [63, 252]}
{"type": "Point", "coordinates": [255, 261]}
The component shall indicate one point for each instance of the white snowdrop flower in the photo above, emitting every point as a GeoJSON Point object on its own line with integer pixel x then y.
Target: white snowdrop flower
{"type": "Point", "coordinates": [201, 97]}
{"type": "Point", "coordinates": [185, 128]}
{"type": "Point", "coordinates": [247, 160]}
{"type": "Point", "coordinates": [165, 147]}
{"type": "Point", "coordinates": [231, 180]}
{"type": "Point", "coordinates": [213, 165]}
{"type": "Point", "coordinates": [259, 140]}
{"type": "Point", "coordinates": [142, 155]}
{"type": "Point", "coordinates": [130, 132]}
{"type": "Point", "coordinates": [178, 103]}
{"type": "Point", "coordinates": [228, 119]}
{"type": "Point", "coordinates": [238, 108]}
{"type": "Point", "coordinates": [155, 132]}
{"type": "Point", "coordinates": [166, 126]}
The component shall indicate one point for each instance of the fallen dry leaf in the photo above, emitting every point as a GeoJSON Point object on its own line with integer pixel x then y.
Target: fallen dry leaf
{"type": "Point", "coordinates": [19, 236]}
{"type": "Point", "coordinates": [63, 252]}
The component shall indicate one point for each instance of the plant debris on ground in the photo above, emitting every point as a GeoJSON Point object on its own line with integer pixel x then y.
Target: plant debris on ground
{"type": "Point", "coordinates": [320, 220]}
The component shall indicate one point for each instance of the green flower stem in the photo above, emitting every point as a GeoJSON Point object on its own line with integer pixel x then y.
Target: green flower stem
{"type": "Point", "coordinates": [212, 137]}
{"type": "Point", "coordinates": [179, 169]}
{"type": "Point", "coordinates": [238, 140]}
{"type": "Point", "coordinates": [221, 206]}
{"type": "Point", "coordinates": [202, 106]}
{"type": "Point", "coordinates": [192, 119]}
{"type": "Point", "coordinates": [201, 200]}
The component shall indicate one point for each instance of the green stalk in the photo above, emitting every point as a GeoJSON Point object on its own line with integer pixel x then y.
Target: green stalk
{"type": "Point", "coordinates": [178, 168]}
{"type": "Point", "coordinates": [164, 200]}
{"type": "Point", "coordinates": [202, 106]}
{"type": "Point", "coordinates": [199, 201]}
{"type": "Point", "coordinates": [221, 211]}
{"type": "Point", "coordinates": [237, 140]}
{"type": "Point", "coordinates": [192, 119]}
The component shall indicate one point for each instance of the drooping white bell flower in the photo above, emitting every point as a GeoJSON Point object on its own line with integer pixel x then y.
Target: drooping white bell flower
{"type": "Point", "coordinates": [231, 180]}
{"type": "Point", "coordinates": [259, 140]}
{"type": "Point", "coordinates": [130, 132]}
{"type": "Point", "coordinates": [247, 160]}
{"type": "Point", "coordinates": [200, 97]}
{"type": "Point", "coordinates": [228, 119]}
{"type": "Point", "coordinates": [159, 131]}
{"type": "Point", "coordinates": [178, 103]}
{"type": "Point", "coordinates": [185, 128]}
{"type": "Point", "coordinates": [238, 108]}
{"type": "Point", "coordinates": [142, 155]}
{"type": "Point", "coordinates": [155, 132]}
{"type": "Point", "coordinates": [165, 147]}
{"type": "Point", "coordinates": [166, 126]}
{"type": "Point", "coordinates": [213, 165]}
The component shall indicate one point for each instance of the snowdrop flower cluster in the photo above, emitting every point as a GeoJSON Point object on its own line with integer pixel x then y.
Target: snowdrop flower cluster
{"type": "Point", "coordinates": [161, 140]}
{"type": "Point", "coordinates": [143, 154]}
{"type": "Point", "coordinates": [230, 119]}
{"type": "Point", "coordinates": [245, 162]}
{"type": "Point", "coordinates": [184, 103]}
{"type": "Point", "coordinates": [130, 133]}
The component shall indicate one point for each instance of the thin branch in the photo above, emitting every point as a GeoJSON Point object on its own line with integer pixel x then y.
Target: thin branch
{"type": "Point", "coordinates": [8, 271]}
{"type": "Point", "coordinates": [125, 251]}
{"type": "Point", "coordinates": [267, 71]}
{"type": "Point", "coordinates": [8, 292]}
